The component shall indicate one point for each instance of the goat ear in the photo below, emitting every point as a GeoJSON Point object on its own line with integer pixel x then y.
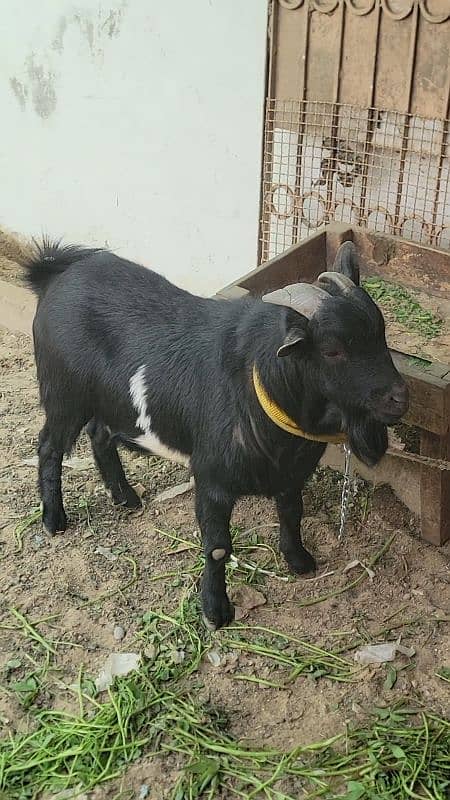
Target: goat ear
{"type": "Point", "coordinates": [294, 341]}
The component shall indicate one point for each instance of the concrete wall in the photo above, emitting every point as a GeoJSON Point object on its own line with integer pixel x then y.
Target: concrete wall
{"type": "Point", "coordinates": [136, 124]}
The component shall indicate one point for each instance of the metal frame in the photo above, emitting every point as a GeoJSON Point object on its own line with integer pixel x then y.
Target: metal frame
{"type": "Point", "coordinates": [370, 79]}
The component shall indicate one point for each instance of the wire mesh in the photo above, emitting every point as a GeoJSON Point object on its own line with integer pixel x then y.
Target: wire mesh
{"type": "Point", "coordinates": [383, 170]}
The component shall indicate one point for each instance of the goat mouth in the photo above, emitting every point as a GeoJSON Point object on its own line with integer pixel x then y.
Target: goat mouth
{"type": "Point", "coordinates": [391, 412]}
{"type": "Point", "coordinates": [390, 417]}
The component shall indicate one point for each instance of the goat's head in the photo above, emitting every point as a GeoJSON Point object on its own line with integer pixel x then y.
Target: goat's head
{"type": "Point", "coordinates": [341, 331]}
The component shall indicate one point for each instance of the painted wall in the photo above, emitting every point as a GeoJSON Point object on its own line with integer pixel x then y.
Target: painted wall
{"type": "Point", "coordinates": [136, 124]}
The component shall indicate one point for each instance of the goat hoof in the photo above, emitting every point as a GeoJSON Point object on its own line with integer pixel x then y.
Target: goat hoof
{"type": "Point", "coordinates": [133, 500]}
{"type": "Point", "coordinates": [218, 615]}
{"type": "Point", "coordinates": [54, 523]}
{"type": "Point", "coordinates": [129, 499]}
{"type": "Point", "coordinates": [301, 563]}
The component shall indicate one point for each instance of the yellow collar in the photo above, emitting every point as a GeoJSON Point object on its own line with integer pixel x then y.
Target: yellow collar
{"type": "Point", "coordinates": [280, 418]}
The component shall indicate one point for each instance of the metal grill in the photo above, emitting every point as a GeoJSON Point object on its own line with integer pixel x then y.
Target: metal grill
{"type": "Point", "coordinates": [384, 170]}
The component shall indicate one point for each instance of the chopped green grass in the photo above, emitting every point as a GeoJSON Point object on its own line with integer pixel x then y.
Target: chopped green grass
{"type": "Point", "coordinates": [156, 710]}
{"type": "Point", "coordinates": [420, 363]}
{"type": "Point", "coordinates": [23, 525]}
{"type": "Point", "coordinates": [394, 757]}
{"type": "Point", "coordinates": [406, 309]}
{"type": "Point", "coordinates": [444, 674]}
{"type": "Point", "coordinates": [293, 655]}
{"type": "Point", "coordinates": [253, 558]}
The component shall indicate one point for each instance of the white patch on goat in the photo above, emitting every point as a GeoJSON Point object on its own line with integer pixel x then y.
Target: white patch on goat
{"type": "Point", "coordinates": [149, 440]}
{"type": "Point", "coordinates": [138, 392]}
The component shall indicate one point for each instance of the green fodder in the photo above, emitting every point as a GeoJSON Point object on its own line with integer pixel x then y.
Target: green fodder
{"type": "Point", "coordinates": [399, 754]}
{"type": "Point", "coordinates": [405, 308]}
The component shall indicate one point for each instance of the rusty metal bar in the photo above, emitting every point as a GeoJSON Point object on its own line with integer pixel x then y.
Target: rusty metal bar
{"type": "Point", "coordinates": [407, 121]}
{"type": "Point", "coordinates": [266, 156]}
{"type": "Point", "coordinates": [330, 160]}
{"type": "Point", "coordinates": [372, 119]}
{"type": "Point", "coordinates": [300, 137]}
{"type": "Point", "coordinates": [442, 155]}
{"type": "Point", "coordinates": [335, 117]}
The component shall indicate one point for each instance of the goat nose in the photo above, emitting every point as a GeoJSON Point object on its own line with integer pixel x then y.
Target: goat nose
{"type": "Point", "coordinates": [399, 395]}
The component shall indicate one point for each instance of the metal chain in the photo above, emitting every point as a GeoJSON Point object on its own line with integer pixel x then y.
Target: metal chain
{"type": "Point", "coordinates": [347, 490]}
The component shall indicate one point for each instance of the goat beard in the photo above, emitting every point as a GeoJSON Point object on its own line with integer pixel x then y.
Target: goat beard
{"type": "Point", "coordinates": [368, 439]}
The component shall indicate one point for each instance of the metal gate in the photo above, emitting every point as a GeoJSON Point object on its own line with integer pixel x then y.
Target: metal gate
{"type": "Point", "coordinates": [357, 119]}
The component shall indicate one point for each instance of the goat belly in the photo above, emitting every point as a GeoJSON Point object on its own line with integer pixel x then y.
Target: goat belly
{"type": "Point", "coordinates": [151, 442]}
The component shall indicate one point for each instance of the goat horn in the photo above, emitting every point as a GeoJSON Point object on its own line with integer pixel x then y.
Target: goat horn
{"type": "Point", "coordinates": [346, 261]}
{"type": "Point", "coordinates": [301, 297]}
{"type": "Point", "coordinates": [342, 282]}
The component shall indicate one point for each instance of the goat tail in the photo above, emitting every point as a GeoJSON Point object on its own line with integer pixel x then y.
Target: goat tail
{"type": "Point", "coordinates": [49, 260]}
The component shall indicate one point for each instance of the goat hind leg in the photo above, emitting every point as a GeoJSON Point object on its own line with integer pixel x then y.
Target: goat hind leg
{"type": "Point", "coordinates": [110, 466]}
{"type": "Point", "coordinates": [50, 464]}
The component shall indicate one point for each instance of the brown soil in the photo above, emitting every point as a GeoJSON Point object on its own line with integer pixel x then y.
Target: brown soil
{"type": "Point", "coordinates": [13, 249]}
{"type": "Point", "coordinates": [412, 581]}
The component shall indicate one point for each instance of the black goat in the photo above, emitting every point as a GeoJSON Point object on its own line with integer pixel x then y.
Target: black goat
{"type": "Point", "coordinates": [141, 362]}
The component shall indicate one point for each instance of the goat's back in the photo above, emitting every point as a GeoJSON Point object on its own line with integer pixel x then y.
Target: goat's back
{"type": "Point", "coordinates": [101, 317]}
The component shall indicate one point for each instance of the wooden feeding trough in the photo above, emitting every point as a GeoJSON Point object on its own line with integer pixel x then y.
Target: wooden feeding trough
{"type": "Point", "coordinates": [423, 361]}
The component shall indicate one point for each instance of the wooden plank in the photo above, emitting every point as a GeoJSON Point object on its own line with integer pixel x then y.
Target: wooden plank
{"type": "Point", "coordinates": [232, 292]}
{"type": "Point", "coordinates": [412, 265]}
{"type": "Point", "coordinates": [435, 487]}
{"type": "Point", "coordinates": [428, 391]}
{"type": "Point", "coordinates": [302, 262]}
{"type": "Point", "coordinates": [431, 372]}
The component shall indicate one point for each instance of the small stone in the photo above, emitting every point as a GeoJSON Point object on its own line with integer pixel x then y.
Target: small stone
{"type": "Point", "coordinates": [118, 633]}
{"type": "Point", "coordinates": [214, 658]}
{"type": "Point", "coordinates": [144, 791]}
{"type": "Point", "coordinates": [178, 656]}
{"type": "Point", "coordinates": [106, 552]}
{"type": "Point", "coordinates": [150, 652]}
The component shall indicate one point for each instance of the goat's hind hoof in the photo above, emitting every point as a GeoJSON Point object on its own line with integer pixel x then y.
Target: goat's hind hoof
{"type": "Point", "coordinates": [54, 523]}
{"type": "Point", "coordinates": [129, 499]}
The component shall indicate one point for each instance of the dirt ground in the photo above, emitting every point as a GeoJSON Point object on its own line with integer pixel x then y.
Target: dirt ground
{"type": "Point", "coordinates": [40, 577]}
{"type": "Point", "coordinates": [13, 249]}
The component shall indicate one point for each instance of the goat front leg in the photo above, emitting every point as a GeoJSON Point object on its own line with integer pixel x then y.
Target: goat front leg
{"type": "Point", "coordinates": [213, 509]}
{"type": "Point", "coordinates": [290, 512]}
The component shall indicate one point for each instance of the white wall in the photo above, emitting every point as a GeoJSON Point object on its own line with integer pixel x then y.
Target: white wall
{"type": "Point", "coordinates": [136, 125]}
